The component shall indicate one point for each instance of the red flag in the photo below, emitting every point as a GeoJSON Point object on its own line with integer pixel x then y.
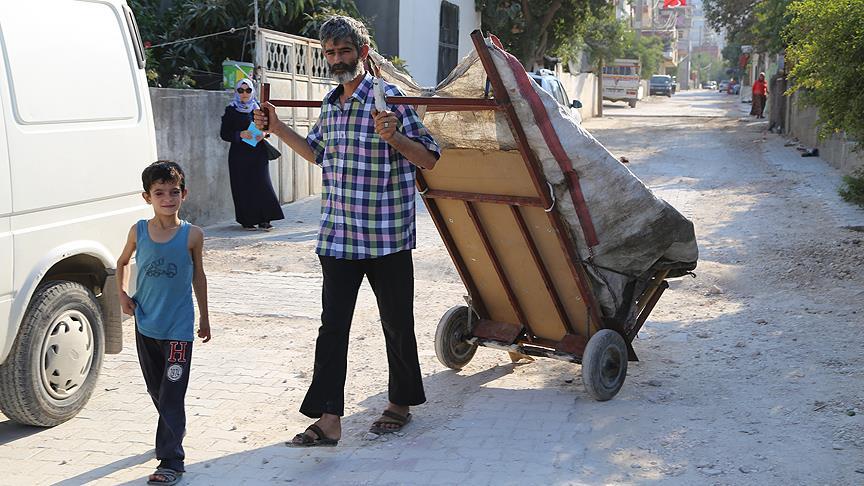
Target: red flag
{"type": "Point", "coordinates": [674, 3]}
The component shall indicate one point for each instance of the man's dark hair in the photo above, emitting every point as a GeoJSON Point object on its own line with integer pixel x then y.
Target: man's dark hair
{"type": "Point", "coordinates": [163, 171]}
{"type": "Point", "coordinates": [341, 28]}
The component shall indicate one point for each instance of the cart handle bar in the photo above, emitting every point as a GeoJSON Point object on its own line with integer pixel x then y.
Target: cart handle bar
{"type": "Point", "coordinates": [433, 103]}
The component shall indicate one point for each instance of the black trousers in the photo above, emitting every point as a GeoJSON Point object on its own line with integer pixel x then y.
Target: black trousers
{"type": "Point", "coordinates": [392, 279]}
{"type": "Point", "coordinates": [165, 365]}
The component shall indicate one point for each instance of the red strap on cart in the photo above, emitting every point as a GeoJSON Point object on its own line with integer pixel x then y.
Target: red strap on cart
{"type": "Point", "coordinates": [551, 138]}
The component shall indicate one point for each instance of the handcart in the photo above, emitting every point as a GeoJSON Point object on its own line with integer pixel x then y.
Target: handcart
{"type": "Point", "coordinates": [528, 291]}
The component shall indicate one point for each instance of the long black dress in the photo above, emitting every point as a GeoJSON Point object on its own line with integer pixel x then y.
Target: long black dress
{"type": "Point", "coordinates": [255, 202]}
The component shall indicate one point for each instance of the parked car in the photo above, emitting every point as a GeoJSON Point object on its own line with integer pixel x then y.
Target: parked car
{"type": "Point", "coordinates": [734, 88]}
{"type": "Point", "coordinates": [550, 83]}
{"type": "Point", "coordinates": [723, 86]}
{"type": "Point", "coordinates": [70, 189]}
{"type": "Point", "coordinates": [660, 84]}
{"type": "Point", "coordinates": [709, 85]}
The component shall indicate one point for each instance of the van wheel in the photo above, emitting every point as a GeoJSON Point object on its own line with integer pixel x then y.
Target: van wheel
{"type": "Point", "coordinates": [53, 366]}
{"type": "Point", "coordinates": [632, 103]}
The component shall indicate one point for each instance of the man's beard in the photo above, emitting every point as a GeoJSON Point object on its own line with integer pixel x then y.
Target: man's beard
{"type": "Point", "coordinates": [345, 73]}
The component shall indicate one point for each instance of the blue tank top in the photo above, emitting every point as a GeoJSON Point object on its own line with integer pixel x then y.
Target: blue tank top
{"type": "Point", "coordinates": [164, 307]}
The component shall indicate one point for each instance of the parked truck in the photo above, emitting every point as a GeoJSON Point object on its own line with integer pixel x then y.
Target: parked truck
{"type": "Point", "coordinates": [622, 81]}
{"type": "Point", "coordinates": [76, 130]}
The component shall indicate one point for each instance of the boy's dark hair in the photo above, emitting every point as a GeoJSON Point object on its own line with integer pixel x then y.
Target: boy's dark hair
{"type": "Point", "coordinates": [163, 171]}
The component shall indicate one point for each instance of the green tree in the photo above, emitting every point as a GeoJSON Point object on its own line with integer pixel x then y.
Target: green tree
{"type": "Point", "coordinates": [707, 67]}
{"type": "Point", "coordinates": [604, 39]}
{"type": "Point", "coordinates": [177, 64]}
{"type": "Point", "coordinates": [759, 23]}
{"type": "Point", "coordinates": [530, 29]}
{"type": "Point", "coordinates": [826, 52]}
{"type": "Point", "coordinates": [648, 49]}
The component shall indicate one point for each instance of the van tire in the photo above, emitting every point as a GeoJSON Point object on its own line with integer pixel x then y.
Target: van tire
{"type": "Point", "coordinates": [63, 318]}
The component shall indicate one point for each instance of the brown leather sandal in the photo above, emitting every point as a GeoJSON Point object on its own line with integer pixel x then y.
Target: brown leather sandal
{"type": "Point", "coordinates": [306, 440]}
{"type": "Point", "coordinates": [385, 424]}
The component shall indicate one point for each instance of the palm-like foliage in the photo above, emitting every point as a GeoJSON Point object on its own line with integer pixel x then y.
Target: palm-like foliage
{"type": "Point", "coordinates": [176, 65]}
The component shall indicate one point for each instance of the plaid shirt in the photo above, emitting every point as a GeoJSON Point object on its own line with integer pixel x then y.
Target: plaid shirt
{"type": "Point", "coordinates": [367, 195]}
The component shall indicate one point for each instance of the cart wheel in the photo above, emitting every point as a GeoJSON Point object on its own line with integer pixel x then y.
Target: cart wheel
{"type": "Point", "coordinates": [451, 347]}
{"type": "Point", "coordinates": [604, 364]}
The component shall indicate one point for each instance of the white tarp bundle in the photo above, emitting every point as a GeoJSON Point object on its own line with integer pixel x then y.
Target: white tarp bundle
{"type": "Point", "coordinates": [626, 233]}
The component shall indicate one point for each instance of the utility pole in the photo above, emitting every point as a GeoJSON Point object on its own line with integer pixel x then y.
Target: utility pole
{"type": "Point", "coordinates": [689, 52]}
{"type": "Point", "coordinates": [255, 25]}
{"type": "Point", "coordinates": [255, 69]}
{"type": "Point", "coordinates": [600, 88]}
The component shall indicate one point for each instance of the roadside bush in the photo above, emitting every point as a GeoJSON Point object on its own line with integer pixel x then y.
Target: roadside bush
{"type": "Point", "coordinates": [852, 189]}
{"type": "Point", "coordinates": [826, 49]}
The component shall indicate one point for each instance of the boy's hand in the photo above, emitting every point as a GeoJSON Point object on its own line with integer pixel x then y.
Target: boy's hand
{"type": "Point", "coordinates": [127, 304]}
{"type": "Point", "coordinates": [204, 330]}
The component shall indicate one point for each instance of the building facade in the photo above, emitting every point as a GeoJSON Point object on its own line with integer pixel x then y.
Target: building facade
{"type": "Point", "coordinates": [430, 36]}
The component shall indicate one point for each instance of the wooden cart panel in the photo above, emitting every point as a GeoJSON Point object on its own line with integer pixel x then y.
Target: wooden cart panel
{"type": "Point", "coordinates": [510, 231]}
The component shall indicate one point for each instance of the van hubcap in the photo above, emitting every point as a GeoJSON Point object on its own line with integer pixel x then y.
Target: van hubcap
{"type": "Point", "coordinates": [67, 354]}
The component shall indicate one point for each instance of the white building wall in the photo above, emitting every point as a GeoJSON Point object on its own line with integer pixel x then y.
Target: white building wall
{"type": "Point", "coordinates": [419, 21]}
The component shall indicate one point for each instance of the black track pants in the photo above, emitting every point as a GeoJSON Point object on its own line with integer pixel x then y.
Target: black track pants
{"type": "Point", "coordinates": [165, 365]}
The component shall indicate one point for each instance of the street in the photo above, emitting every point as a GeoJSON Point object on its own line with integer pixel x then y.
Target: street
{"type": "Point", "coordinates": [751, 373]}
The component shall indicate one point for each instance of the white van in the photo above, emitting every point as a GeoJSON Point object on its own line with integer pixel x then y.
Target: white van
{"type": "Point", "coordinates": [76, 130]}
{"type": "Point", "coordinates": [622, 81]}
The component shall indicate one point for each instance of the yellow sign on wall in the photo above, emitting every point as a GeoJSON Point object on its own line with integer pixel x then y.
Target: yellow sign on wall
{"type": "Point", "coordinates": [234, 71]}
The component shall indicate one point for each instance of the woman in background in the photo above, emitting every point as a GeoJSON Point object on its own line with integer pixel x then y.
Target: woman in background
{"type": "Point", "coordinates": [760, 96]}
{"type": "Point", "coordinates": [255, 202]}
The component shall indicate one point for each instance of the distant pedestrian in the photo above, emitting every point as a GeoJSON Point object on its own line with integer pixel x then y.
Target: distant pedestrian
{"type": "Point", "coordinates": [255, 201]}
{"type": "Point", "coordinates": [168, 252]}
{"type": "Point", "coordinates": [760, 96]}
{"type": "Point", "coordinates": [369, 160]}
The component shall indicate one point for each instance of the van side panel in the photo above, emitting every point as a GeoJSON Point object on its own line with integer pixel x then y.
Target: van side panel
{"type": "Point", "coordinates": [79, 132]}
{"type": "Point", "coordinates": [71, 72]}
{"type": "Point", "coordinates": [5, 237]}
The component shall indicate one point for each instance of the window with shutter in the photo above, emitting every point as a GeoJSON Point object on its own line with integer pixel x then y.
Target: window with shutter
{"type": "Point", "coordinates": [448, 39]}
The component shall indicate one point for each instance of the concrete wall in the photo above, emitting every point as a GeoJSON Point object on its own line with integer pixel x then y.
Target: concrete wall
{"type": "Point", "coordinates": [418, 35]}
{"type": "Point", "coordinates": [803, 123]}
{"type": "Point", "coordinates": [187, 132]}
{"type": "Point", "coordinates": [582, 87]}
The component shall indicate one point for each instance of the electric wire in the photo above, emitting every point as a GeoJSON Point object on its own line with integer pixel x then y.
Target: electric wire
{"type": "Point", "coordinates": [229, 31]}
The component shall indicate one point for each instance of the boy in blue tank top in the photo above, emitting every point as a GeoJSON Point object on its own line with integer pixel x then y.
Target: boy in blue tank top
{"type": "Point", "coordinates": [168, 252]}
